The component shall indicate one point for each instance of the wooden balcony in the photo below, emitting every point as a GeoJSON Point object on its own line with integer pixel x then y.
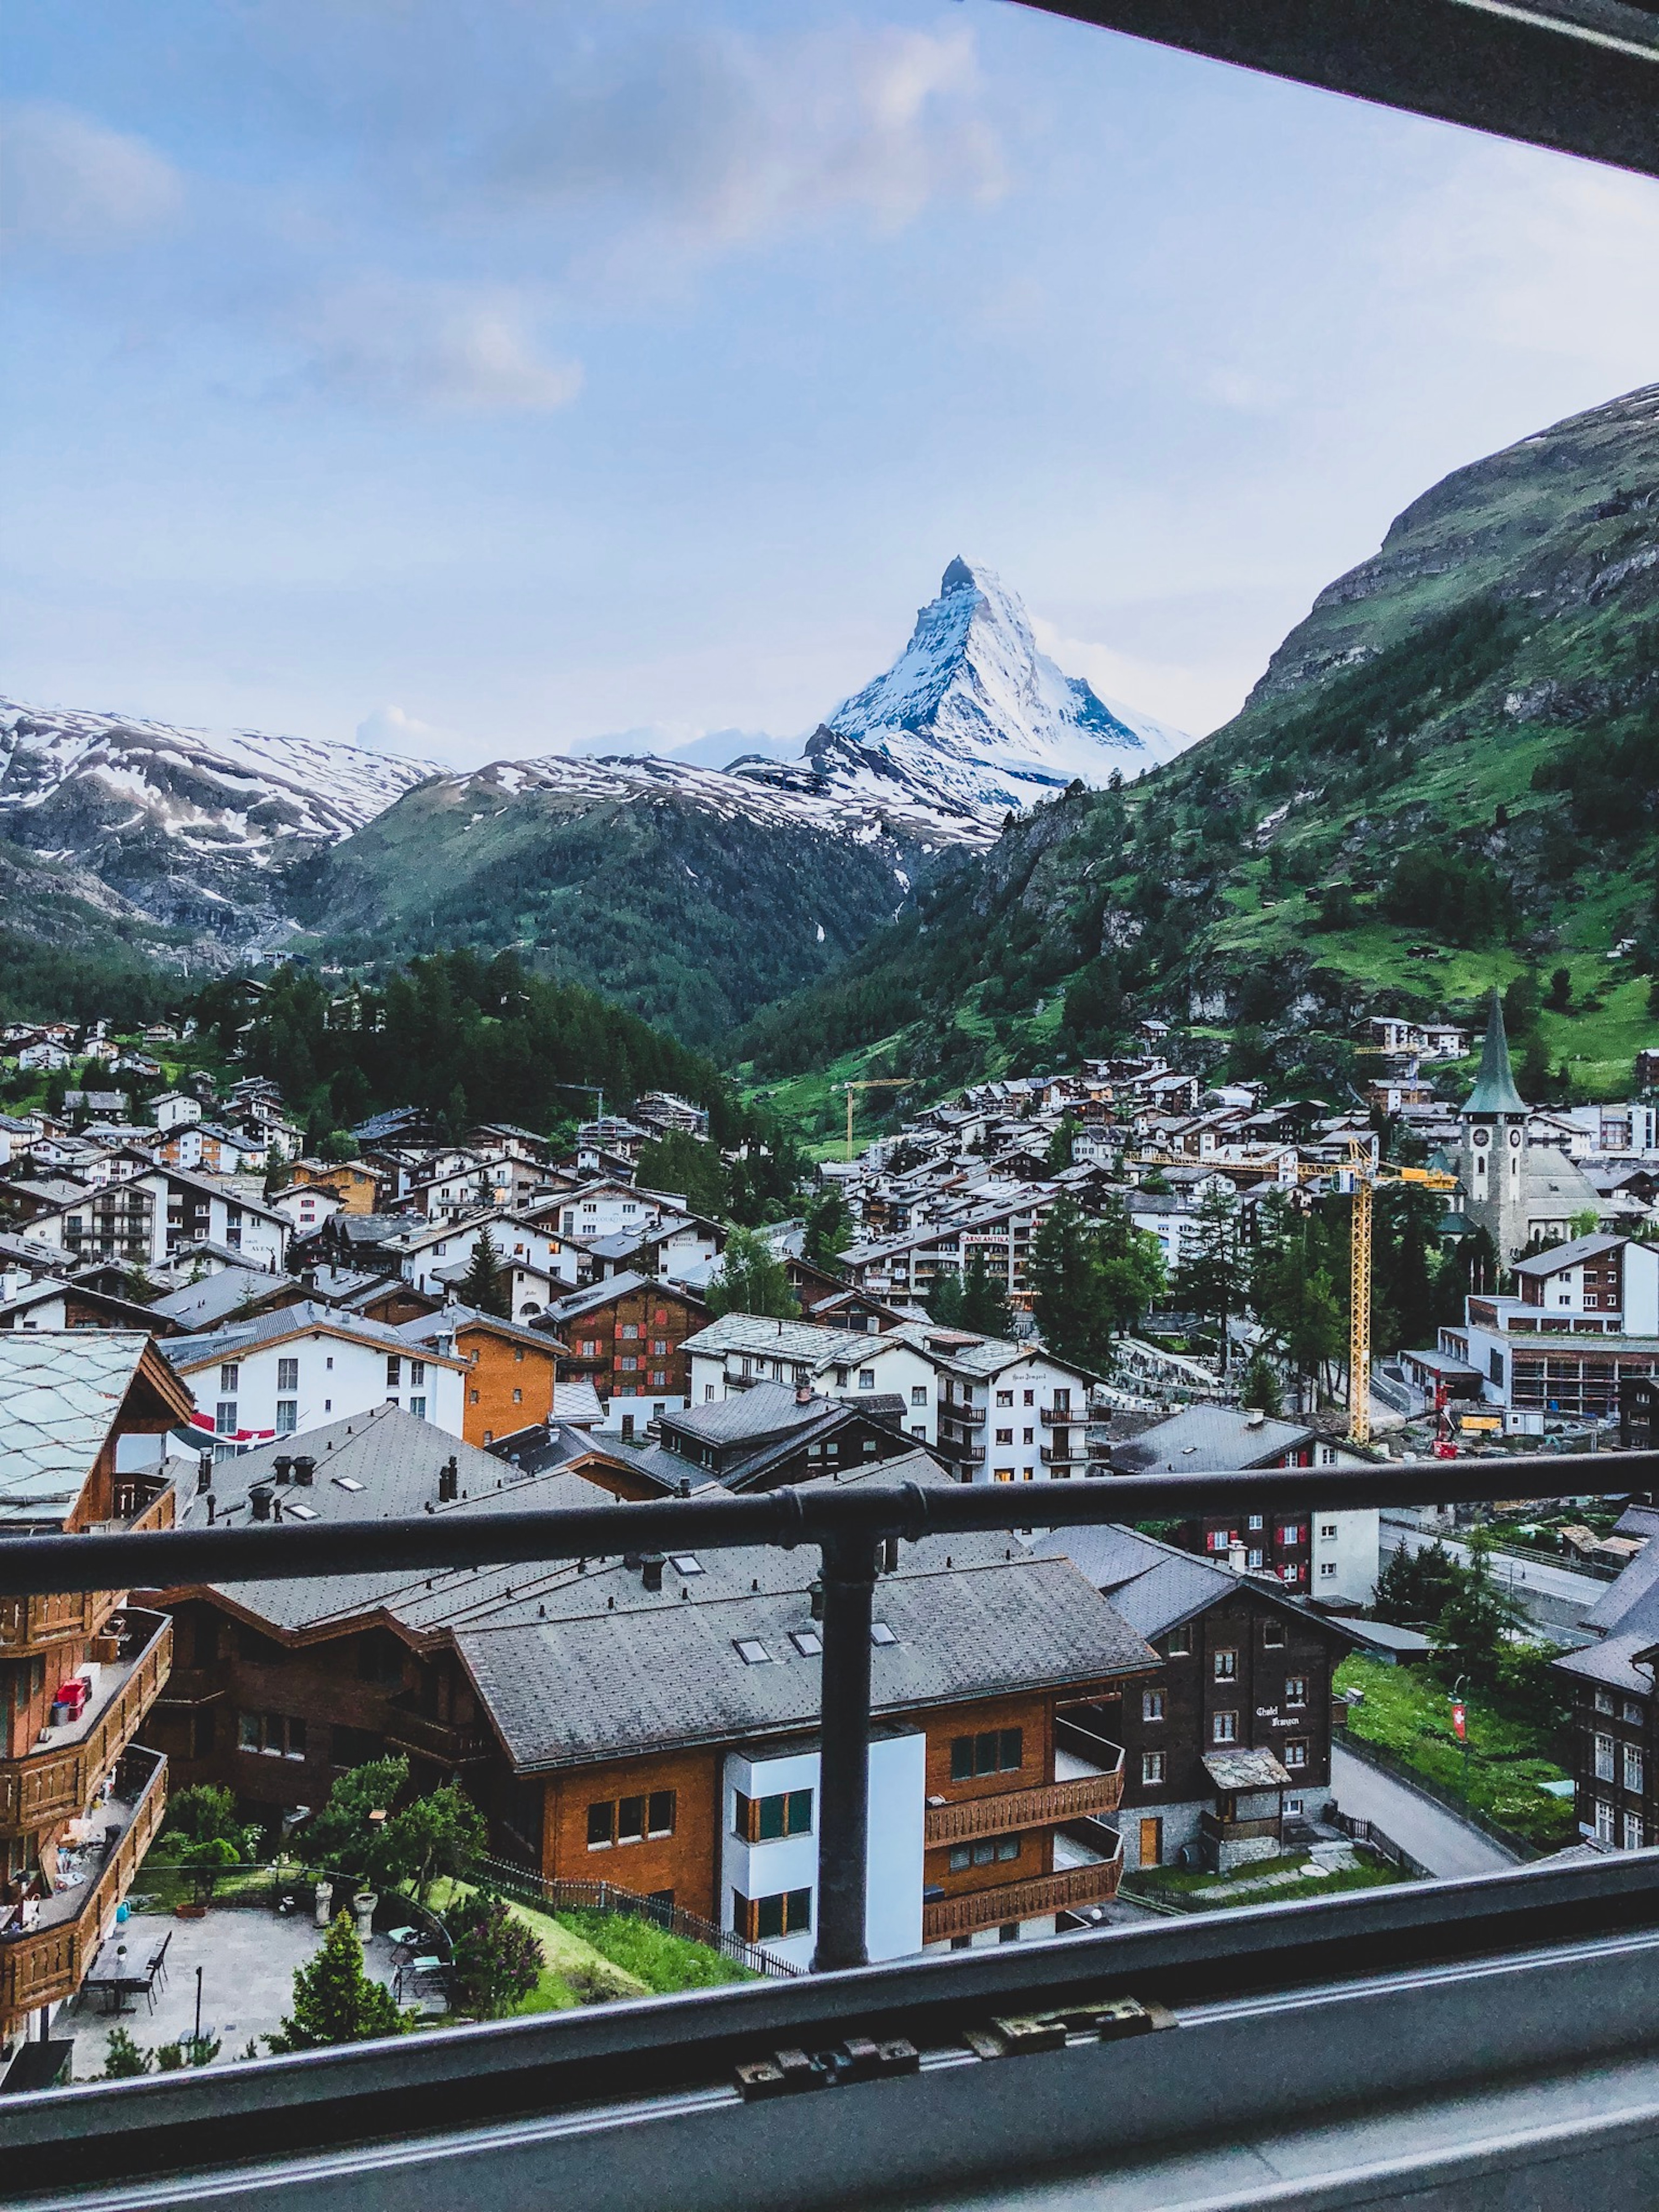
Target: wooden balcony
{"type": "Point", "coordinates": [433, 1739]}
{"type": "Point", "coordinates": [50, 1961]}
{"type": "Point", "coordinates": [1066, 1891]}
{"type": "Point", "coordinates": [1006, 1812]}
{"type": "Point", "coordinates": [54, 1781]}
{"type": "Point", "coordinates": [33, 1623]}
{"type": "Point", "coordinates": [1067, 1455]}
{"type": "Point", "coordinates": [1058, 1416]}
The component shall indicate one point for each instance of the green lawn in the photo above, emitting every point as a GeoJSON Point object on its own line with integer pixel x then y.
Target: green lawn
{"type": "Point", "coordinates": [1407, 1711]}
{"type": "Point", "coordinates": [661, 1962]}
{"type": "Point", "coordinates": [1263, 1881]}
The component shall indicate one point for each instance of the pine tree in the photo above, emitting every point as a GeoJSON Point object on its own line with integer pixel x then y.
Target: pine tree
{"type": "Point", "coordinates": [1210, 1278]}
{"type": "Point", "coordinates": [334, 2000]}
{"type": "Point", "coordinates": [828, 1229]}
{"type": "Point", "coordinates": [1261, 1388]}
{"type": "Point", "coordinates": [485, 1286]}
{"type": "Point", "coordinates": [984, 1307]}
{"type": "Point", "coordinates": [944, 1298]}
{"type": "Point", "coordinates": [753, 1280]}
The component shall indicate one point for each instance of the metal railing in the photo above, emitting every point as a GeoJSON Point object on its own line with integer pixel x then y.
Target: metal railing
{"type": "Point", "coordinates": [848, 1526]}
{"type": "Point", "coordinates": [560, 1896]}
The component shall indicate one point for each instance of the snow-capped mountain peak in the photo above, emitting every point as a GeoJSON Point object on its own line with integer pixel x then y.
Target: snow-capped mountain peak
{"type": "Point", "coordinates": [973, 708]}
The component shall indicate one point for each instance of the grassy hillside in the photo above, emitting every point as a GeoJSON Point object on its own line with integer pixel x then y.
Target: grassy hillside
{"type": "Point", "coordinates": [689, 918]}
{"type": "Point", "coordinates": [1446, 779]}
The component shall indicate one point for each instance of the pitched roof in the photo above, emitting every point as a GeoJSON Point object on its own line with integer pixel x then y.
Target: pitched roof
{"type": "Point", "coordinates": [596, 1683]}
{"type": "Point", "coordinates": [61, 1391]}
{"type": "Point", "coordinates": [1610, 1661]}
{"type": "Point", "coordinates": [1552, 1261]}
{"type": "Point", "coordinates": [1494, 1090]}
{"type": "Point", "coordinates": [308, 1318]}
{"type": "Point", "coordinates": [217, 1296]}
{"type": "Point", "coordinates": [1211, 1440]}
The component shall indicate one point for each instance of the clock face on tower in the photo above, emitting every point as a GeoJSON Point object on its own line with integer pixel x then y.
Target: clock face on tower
{"type": "Point", "coordinates": [1515, 1136]}
{"type": "Point", "coordinates": [1482, 1137]}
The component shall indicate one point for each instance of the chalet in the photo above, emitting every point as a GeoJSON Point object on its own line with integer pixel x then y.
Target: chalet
{"type": "Point", "coordinates": [352, 1181]}
{"type": "Point", "coordinates": [1615, 1704]}
{"type": "Point", "coordinates": [511, 1379]}
{"type": "Point", "coordinates": [52, 1305]}
{"type": "Point", "coordinates": [173, 1108]}
{"type": "Point", "coordinates": [768, 1436]}
{"type": "Point", "coordinates": [82, 1415]}
{"type": "Point", "coordinates": [1332, 1553]}
{"type": "Point", "coordinates": [430, 1254]}
{"type": "Point", "coordinates": [1232, 1736]}
{"type": "Point", "coordinates": [628, 1337]}
{"type": "Point", "coordinates": [143, 1216]}
{"type": "Point", "coordinates": [281, 1374]}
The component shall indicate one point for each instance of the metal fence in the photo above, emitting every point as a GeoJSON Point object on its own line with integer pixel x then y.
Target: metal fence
{"type": "Point", "coordinates": [605, 1896]}
{"type": "Point", "coordinates": [849, 1525]}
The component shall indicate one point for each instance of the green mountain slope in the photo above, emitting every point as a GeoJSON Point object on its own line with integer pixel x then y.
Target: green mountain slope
{"type": "Point", "coordinates": [1446, 778]}
{"type": "Point", "coordinates": [689, 916]}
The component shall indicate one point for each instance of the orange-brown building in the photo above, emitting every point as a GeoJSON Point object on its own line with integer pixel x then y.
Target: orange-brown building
{"type": "Point", "coordinates": [355, 1184]}
{"type": "Point", "coordinates": [511, 1371]}
{"type": "Point", "coordinates": [79, 1802]}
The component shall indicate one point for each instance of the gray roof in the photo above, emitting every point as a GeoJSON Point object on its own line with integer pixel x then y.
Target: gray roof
{"type": "Point", "coordinates": [1156, 1586]}
{"type": "Point", "coordinates": [306, 1319]}
{"type": "Point", "coordinates": [1494, 1090]}
{"type": "Point", "coordinates": [1609, 1661]}
{"type": "Point", "coordinates": [597, 1295]}
{"type": "Point", "coordinates": [766, 1410]}
{"type": "Point", "coordinates": [784, 1339]}
{"type": "Point", "coordinates": [1387, 1635]}
{"type": "Point", "coordinates": [1209, 1440]}
{"type": "Point", "coordinates": [598, 1683]}
{"type": "Point", "coordinates": [1557, 1257]}
{"type": "Point", "coordinates": [426, 1329]}
{"type": "Point", "coordinates": [1630, 1602]}
{"type": "Point", "coordinates": [1245, 1770]}
{"type": "Point", "coordinates": [60, 1392]}
{"type": "Point", "coordinates": [217, 1296]}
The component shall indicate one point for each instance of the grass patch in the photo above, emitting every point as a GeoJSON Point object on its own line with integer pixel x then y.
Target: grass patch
{"type": "Point", "coordinates": [661, 1962]}
{"type": "Point", "coordinates": [1263, 1881]}
{"type": "Point", "coordinates": [1407, 1711]}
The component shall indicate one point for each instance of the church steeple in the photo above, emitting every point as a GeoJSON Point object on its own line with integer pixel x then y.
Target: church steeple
{"type": "Point", "coordinates": [1494, 1090]}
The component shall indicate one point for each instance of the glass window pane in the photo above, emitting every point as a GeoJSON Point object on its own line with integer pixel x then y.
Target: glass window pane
{"type": "Point", "coordinates": [631, 1820]}
{"type": "Point", "coordinates": [661, 1821]}
{"type": "Point", "coordinates": [801, 1812]}
{"type": "Point", "coordinates": [962, 1759]}
{"type": "Point", "coordinates": [601, 1821]}
{"type": "Point", "coordinates": [771, 1817]}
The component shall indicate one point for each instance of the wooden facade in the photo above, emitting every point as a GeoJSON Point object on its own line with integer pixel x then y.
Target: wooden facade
{"type": "Point", "coordinates": [629, 1344]}
{"type": "Point", "coordinates": [511, 1374]}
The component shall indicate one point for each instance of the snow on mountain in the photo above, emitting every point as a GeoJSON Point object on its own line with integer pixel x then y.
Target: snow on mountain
{"type": "Point", "coordinates": [974, 711]}
{"type": "Point", "coordinates": [190, 826]}
{"type": "Point", "coordinates": [768, 794]}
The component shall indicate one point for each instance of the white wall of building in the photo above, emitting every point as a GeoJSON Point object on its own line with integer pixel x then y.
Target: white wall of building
{"type": "Point", "coordinates": [894, 1856]}
{"type": "Point", "coordinates": [247, 1398]}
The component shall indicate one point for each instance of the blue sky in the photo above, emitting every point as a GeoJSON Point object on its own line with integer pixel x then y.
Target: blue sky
{"type": "Point", "coordinates": [488, 379]}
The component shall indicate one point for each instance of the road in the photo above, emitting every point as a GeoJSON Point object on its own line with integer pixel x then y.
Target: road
{"type": "Point", "coordinates": [1416, 1823]}
{"type": "Point", "coordinates": [1555, 1598]}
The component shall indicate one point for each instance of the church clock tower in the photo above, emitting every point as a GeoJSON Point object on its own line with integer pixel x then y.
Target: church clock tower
{"type": "Point", "coordinates": [1492, 1159]}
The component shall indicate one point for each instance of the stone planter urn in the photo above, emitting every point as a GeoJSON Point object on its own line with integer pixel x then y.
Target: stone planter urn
{"type": "Point", "coordinates": [325, 1900]}
{"type": "Point", "coordinates": [362, 1907]}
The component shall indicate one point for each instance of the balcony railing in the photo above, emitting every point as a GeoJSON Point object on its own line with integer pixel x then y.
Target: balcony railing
{"type": "Point", "coordinates": [34, 1623]}
{"type": "Point", "coordinates": [1065, 1891]}
{"type": "Point", "coordinates": [47, 1963]}
{"type": "Point", "coordinates": [1006, 1812]}
{"type": "Point", "coordinates": [1062, 1416]}
{"type": "Point", "coordinates": [1238, 1831]}
{"type": "Point", "coordinates": [56, 1779]}
{"type": "Point", "coordinates": [1062, 1454]}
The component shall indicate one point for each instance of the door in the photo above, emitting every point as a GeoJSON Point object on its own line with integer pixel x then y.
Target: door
{"type": "Point", "coordinates": [1151, 1842]}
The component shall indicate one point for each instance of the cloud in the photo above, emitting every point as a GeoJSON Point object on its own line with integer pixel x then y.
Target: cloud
{"type": "Point", "coordinates": [719, 140]}
{"type": "Point", "coordinates": [69, 183]}
{"type": "Point", "coordinates": [390, 730]}
{"type": "Point", "coordinates": [1193, 699]}
{"type": "Point", "coordinates": [1542, 254]}
{"type": "Point", "coordinates": [446, 346]}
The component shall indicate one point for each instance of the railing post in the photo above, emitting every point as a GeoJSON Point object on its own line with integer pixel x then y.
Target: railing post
{"type": "Point", "coordinates": [849, 1580]}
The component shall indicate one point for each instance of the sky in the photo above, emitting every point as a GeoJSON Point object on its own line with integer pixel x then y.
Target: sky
{"type": "Point", "coordinates": [477, 382]}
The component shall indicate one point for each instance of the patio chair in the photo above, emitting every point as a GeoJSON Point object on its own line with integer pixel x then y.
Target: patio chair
{"type": "Point", "coordinates": [157, 1969]}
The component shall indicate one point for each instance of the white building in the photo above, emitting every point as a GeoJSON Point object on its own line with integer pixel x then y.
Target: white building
{"type": "Point", "coordinates": [303, 1365]}
{"type": "Point", "coordinates": [173, 1108]}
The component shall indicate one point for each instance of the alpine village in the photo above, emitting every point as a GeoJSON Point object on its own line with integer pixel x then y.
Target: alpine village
{"type": "Point", "coordinates": [572, 1131]}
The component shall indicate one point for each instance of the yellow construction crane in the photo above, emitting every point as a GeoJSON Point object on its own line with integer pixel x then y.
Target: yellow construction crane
{"type": "Point", "coordinates": [871, 1083]}
{"type": "Point", "coordinates": [1359, 1179]}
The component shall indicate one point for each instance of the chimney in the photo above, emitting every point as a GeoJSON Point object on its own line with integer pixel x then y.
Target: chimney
{"type": "Point", "coordinates": [889, 1555]}
{"type": "Point", "coordinates": [1254, 1417]}
{"type": "Point", "coordinates": [651, 1572]}
{"type": "Point", "coordinates": [1235, 1557]}
{"type": "Point", "coordinates": [815, 1593]}
{"type": "Point", "coordinates": [281, 1465]}
{"type": "Point", "coordinates": [304, 1470]}
{"type": "Point", "coordinates": [803, 1394]}
{"type": "Point", "coordinates": [204, 1472]}
{"type": "Point", "coordinates": [258, 1500]}
{"type": "Point", "coordinates": [449, 1480]}
{"type": "Point", "coordinates": [683, 1487]}
{"type": "Point", "coordinates": [210, 1504]}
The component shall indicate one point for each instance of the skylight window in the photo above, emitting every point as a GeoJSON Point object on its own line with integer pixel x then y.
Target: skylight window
{"type": "Point", "coordinates": [807, 1641]}
{"type": "Point", "coordinates": [881, 1633]}
{"type": "Point", "coordinates": [344, 1482]}
{"type": "Point", "coordinates": [685, 1563]}
{"type": "Point", "coordinates": [752, 1652]}
{"type": "Point", "coordinates": [299, 1512]}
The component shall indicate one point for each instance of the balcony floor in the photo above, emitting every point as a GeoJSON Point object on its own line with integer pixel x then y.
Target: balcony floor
{"type": "Point", "coordinates": [89, 1862]}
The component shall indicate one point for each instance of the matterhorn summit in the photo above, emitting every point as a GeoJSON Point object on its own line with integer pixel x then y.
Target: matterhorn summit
{"type": "Point", "coordinates": [972, 711]}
